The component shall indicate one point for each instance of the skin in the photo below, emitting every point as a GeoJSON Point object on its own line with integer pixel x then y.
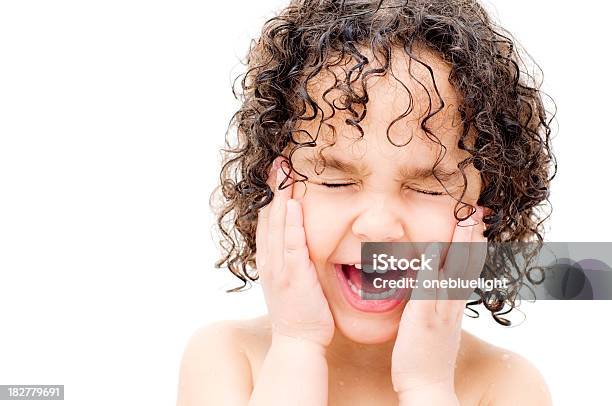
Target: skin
{"type": "Point", "coordinates": [313, 348]}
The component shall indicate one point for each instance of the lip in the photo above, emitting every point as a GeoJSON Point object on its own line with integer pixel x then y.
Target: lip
{"type": "Point", "coordinates": [353, 299]}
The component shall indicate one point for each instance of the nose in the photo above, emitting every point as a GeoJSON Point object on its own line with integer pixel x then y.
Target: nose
{"type": "Point", "coordinates": [379, 221]}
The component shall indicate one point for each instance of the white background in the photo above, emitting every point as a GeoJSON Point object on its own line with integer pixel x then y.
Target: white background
{"type": "Point", "coordinates": [111, 117]}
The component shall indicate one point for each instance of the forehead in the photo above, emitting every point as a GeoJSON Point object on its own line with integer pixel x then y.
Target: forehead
{"type": "Point", "coordinates": [414, 92]}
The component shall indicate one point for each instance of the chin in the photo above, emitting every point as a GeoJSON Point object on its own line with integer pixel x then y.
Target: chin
{"type": "Point", "coordinates": [360, 320]}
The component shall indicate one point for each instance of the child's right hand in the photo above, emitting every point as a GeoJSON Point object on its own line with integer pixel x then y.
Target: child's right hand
{"type": "Point", "coordinates": [295, 299]}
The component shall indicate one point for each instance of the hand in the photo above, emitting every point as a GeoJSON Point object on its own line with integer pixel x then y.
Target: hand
{"type": "Point", "coordinates": [295, 299]}
{"type": "Point", "coordinates": [427, 343]}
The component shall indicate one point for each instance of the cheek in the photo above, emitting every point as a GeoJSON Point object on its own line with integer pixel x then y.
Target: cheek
{"type": "Point", "coordinates": [431, 222]}
{"type": "Point", "coordinates": [322, 226]}
{"type": "Point", "coordinates": [323, 231]}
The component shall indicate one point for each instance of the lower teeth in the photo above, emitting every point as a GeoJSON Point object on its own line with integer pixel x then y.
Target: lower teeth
{"type": "Point", "coordinates": [371, 296]}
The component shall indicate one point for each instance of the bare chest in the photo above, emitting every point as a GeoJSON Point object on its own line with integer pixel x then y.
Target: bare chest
{"type": "Point", "coordinates": [359, 391]}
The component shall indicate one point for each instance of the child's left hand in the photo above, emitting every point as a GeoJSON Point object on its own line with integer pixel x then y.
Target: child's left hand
{"type": "Point", "coordinates": [427, 343]}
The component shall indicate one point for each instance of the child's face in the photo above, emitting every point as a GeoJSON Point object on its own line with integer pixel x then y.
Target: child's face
{"type": "Point", "coordinates": [382, 204]}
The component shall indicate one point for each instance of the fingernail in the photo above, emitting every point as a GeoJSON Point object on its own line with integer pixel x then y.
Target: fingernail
{"type": "Point", "coordinates": [470, 221]}
{"type": "Point", "coordinates": [481, 216]}
{"type": "Point", "coordinates": [276, 163]}
{"type": "Point", "coordinates": [480, 211]}
{"type": "Point", "coordinates": [279, 177]}
{"type": "Point", "coordinates": [273, 168]}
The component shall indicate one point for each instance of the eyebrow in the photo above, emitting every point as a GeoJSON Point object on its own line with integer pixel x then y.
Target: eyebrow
{"type": "Point", "coordinates": [404, 173]}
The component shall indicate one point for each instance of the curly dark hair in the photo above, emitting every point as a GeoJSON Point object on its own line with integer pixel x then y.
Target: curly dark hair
{"type": "Point", "coordinates": [502, 104]}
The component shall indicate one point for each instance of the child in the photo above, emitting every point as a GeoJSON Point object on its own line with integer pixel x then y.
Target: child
{"type": "Point", "coordinates": [362, 120]}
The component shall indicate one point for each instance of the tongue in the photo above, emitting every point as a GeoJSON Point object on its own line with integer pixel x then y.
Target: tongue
{"type": "Point", "coordinates": [365, 281]}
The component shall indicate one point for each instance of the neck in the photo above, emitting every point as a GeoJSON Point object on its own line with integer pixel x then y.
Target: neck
{"type": "Point", "coordinates": [346, 353]}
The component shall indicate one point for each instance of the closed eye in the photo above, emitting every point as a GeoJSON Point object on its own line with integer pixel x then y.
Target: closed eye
{"type": "Point", "coordinates": [427, 192]}
{"type": "Point", "coordinates": [341, 185]}
{"type": "Point", "coordinates": [336, 185]}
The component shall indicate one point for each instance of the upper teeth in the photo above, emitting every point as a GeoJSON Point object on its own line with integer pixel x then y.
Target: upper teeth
{"type": "Point", "coordinates": [358, 266]}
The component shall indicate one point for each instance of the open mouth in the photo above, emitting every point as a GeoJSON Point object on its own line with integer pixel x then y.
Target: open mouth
{"type": "Point", "coordinates": [369, 291]}
{"type": "Point", "coordinates": [363, 283]}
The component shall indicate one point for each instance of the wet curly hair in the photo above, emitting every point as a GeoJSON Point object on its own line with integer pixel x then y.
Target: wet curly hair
{"type": "Point", "coordinates": [501, 104]}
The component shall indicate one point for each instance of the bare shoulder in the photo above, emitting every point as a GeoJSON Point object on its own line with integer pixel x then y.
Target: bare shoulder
{"type": "Point", "coordinates": [506, 378]}
{"type": "Point", "coordinates": [216, 367]}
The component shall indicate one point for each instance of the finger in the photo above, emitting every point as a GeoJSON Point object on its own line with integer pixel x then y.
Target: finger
{"type": "Point", "coordinates": [441, 292]}
{"type": "Point", "coordinates": [455, 266]}
{"type": "Point", "coordinates": [276, 225]}
{"type": "Point", "coordinates": [296, 251]}
{"type": "Point", "coordinates": [478, 249]}
{"type": "Point", "coordinates": [424, 295]}
{"type": "Point", "coordinates": [271, 181]}
{"type": "Point", "coordinates": [477, 258]}
{"type": "Point", "coordinates": [446, 308]}
{"type": "Point", "coordinates": [263, 214]}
